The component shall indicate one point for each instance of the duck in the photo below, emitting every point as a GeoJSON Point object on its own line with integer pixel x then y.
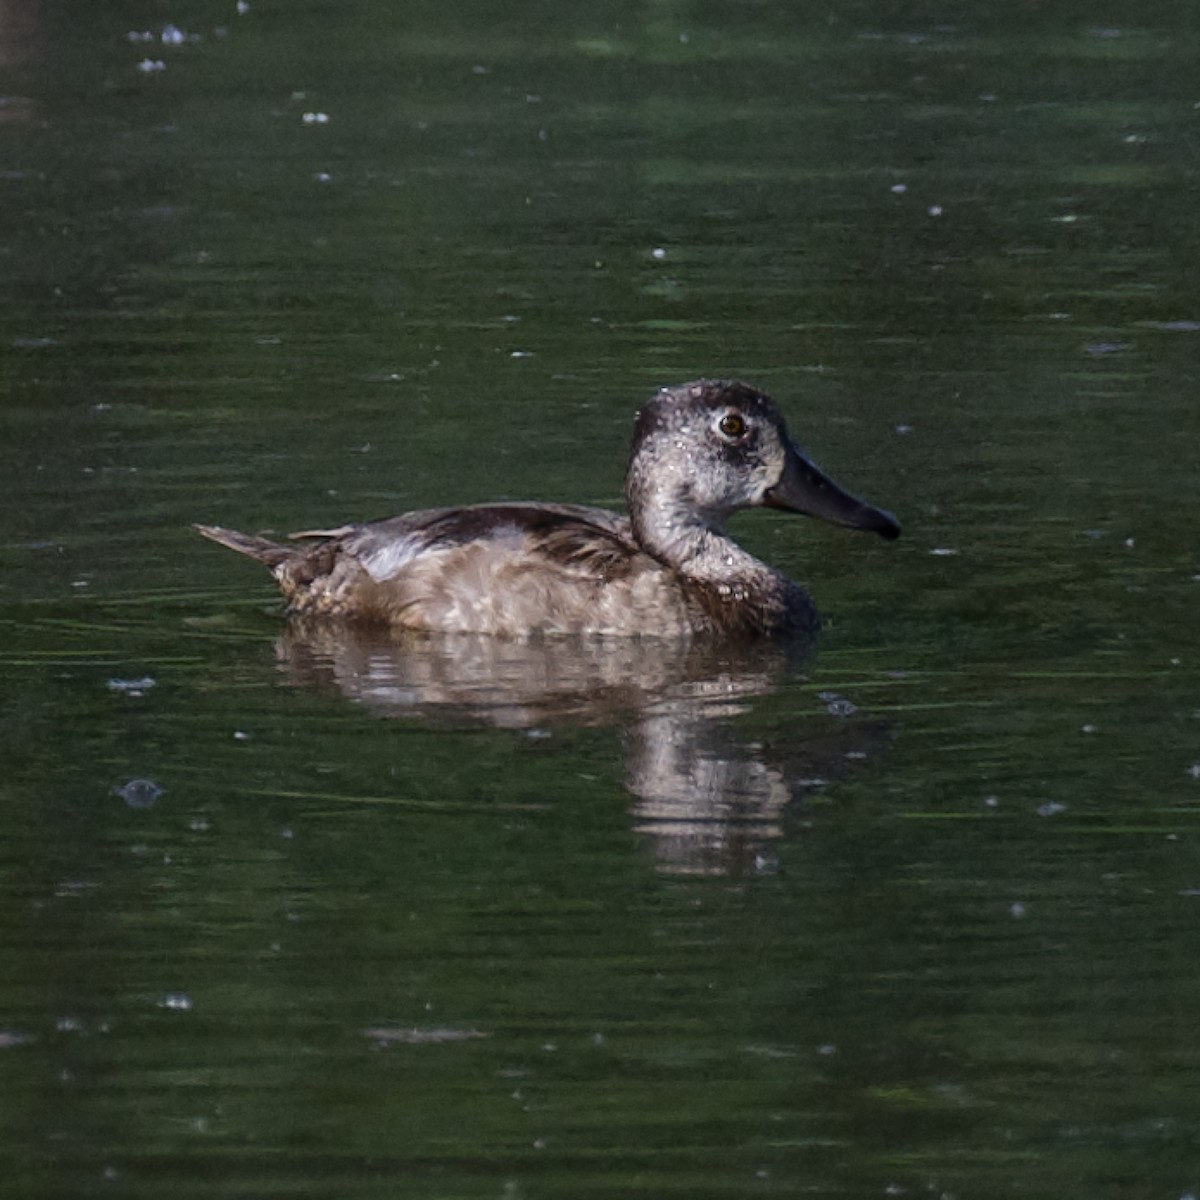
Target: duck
{"type": "Point", "coordinates": [701, 452]}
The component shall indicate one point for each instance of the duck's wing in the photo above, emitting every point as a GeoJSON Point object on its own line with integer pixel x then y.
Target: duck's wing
{"type": "Point", "coordinates": [560, 534]}
{"type": "Point", "coordinates": [488, 568]}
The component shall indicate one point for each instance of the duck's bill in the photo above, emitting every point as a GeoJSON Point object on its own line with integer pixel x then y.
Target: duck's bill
{"type": "Point", "coordinates": [805, 488]}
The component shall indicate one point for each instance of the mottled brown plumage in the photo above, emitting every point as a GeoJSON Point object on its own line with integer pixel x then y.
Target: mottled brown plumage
{"type": "Point", "coordinates": [700, 453]}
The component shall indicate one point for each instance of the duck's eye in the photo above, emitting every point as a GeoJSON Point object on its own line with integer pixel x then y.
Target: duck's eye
{"type": "Point", "coordinates": [732, 425]}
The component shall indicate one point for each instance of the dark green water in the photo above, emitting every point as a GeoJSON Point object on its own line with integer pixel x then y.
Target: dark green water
{"type": "Point", "coordinates": [479, 921]}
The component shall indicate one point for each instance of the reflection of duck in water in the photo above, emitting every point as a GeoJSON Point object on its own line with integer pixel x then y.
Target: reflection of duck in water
{"type": "Point", "coordinates": [524, 683]}
{"type": "Point", "coordinates": [709, 800]}
{"type": "Point", "coordinates": [701, 452]}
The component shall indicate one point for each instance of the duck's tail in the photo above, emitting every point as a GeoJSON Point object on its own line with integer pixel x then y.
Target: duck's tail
{"type": "Point", "coordinates": [265, 551]}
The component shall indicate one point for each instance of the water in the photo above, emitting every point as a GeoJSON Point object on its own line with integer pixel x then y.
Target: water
{"type": "Point", "coordinates": [912, 911]}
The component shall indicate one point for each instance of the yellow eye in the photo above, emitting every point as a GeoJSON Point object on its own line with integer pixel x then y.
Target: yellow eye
{"type": "Point", "coordinates": [732, 425]}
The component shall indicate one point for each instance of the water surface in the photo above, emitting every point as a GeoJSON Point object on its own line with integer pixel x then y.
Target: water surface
{"type": "Point", "coordinates": [911, 912]}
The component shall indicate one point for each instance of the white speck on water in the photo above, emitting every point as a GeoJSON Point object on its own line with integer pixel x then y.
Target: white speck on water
{"type": "Point", "coordinates": [988, 97]}
{"type": "Point", "coordinates": [198, 825]}
{"type": "Point", "coordinates": [855, 755]}
{"type": "Point", "coordinates": [240, 735]}
{"type": "Point", "coordinates": [176, 1002]}
{"type": "Point", "coordinates": [935, 210]}
{"type": "Point", "coordinates": [1176, 662]}
{"type": "Point", "coordinates": [658, 253]}
{"type": "Point", "coordinates": [149, 66]}
{"type": "Point", "coordinates": [1129, 543]}
{"type": "Point", "coordinates": [132, 687]}
{"type": "Point", "coordinates": [991, 801]}
{"type": "Point", "coordinates": [385, 1036]}
{"type": "Point", "coordinates": [521, 354]}
{"type": "Point", "coordinates": [1051, 809]}
{"type": "Point", "coordinates": [903, 429]}
{"type": "Point", "coordinates": [80, 583]}
{"type": "Point", "coordinates": [1066, 219]}
{"type": "Point", "coordinates": [142, 35]}
{"type": "Point", "coordinates": [322, 177]}
{"type": "Point", "coordinates": [1089, 728]}
{"type": "Point", "coordinates": [1016, 909]}
{"type": "Point", "coordinates": [172, 35]}
{"type": "Point", "coordinates": [539, 1143]}
{"type": "Point", "coordinates": [287, 834]}
{"type": "Point", "coordinates": [139, 793]}
{"type": "Point", "coordinates": [315, 118]}
{"type": "Point", "coordinates": [943, 552]}
{"type": "Point", "coordinates": [243, 7]}
{"type": "Point", "coordinates": [78, 887]}
{"type": "Point", "coordinates": [538, 735]}
{"type": "Point", "coordinates": [479, 69]}
{"type": "Point", "coordinates": [69, 1025]}
{"type": "Point", "coordinates": [898, 189]}
{"type": "Point", "coordinates": [827, 1050]}
{"type": "Point", "coordinates": [1194, 770]}
{"type": "Point", "coordinates": [1176, 326]}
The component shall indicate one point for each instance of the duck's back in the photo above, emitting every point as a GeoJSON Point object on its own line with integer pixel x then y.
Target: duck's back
{"type": "Point", "coordinates": [508, 569]}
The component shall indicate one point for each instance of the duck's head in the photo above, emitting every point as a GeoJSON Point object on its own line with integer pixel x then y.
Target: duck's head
{"type": "Point", "coordinates": [704, 450]}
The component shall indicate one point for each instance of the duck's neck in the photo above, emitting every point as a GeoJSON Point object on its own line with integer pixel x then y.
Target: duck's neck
{"type": "Point", "coordinates": [693, 543]}
{"type": "Point", "coordinates": [729, 589]}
